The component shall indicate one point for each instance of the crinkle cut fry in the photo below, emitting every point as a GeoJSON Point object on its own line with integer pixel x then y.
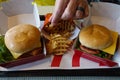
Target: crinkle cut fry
{"type": "Point", "coordinates": [61, 28]}
{"type": "Point", "coordinates": [59, 35]}
{"type": "Point", "coordinates": [62, 46]}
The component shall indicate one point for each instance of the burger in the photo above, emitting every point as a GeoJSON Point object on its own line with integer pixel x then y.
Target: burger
{"type": "Point", "coordinates": [98, 40]}
{"type": "Point", "coordinates": [23, 40]}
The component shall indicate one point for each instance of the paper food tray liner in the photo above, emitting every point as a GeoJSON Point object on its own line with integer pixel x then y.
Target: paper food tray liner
{"type": "Point", "coordinates": [106, 14]}
{"type": "Point", "coordinates": [16, 12]}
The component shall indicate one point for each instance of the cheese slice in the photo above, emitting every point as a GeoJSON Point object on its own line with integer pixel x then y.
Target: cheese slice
{"type": "Point", "coordinates": [112, 48]}
{"type": "Point", "coordinates": [16, 55]}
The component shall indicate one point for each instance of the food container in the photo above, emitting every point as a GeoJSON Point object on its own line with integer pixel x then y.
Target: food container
{"type": "Point", "coordinates": [16, 12]}
{"type": "Point", "coordinates": [109, 20]}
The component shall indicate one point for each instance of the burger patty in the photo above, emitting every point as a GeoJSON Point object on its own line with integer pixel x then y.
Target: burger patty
{"type": "Point", "coordinates": [88, 50]}
{"type": "Point", "coordinates": [32, 53]}
{"type": "Point", "coordinates": [96, 52]}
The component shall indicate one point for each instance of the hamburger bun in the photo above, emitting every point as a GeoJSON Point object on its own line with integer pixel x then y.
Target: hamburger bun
{"type": "Point", "coordinates": [95, 37]}
{"type": "Point", "coordinates": [22, 38]}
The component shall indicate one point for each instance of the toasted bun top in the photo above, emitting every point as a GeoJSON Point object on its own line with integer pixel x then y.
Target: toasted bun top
{"type": "Point", "coordinates": [95, 37]}
{"type": "Point", "coordinates": [22, 38]}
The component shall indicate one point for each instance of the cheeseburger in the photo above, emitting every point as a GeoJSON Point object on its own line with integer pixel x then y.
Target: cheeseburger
{"type": "Point", "coordinates": [98, 40]}
{"type": "Point", "coordinates": [22, 39]}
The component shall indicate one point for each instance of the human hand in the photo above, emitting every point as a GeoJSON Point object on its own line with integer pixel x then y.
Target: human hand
{"type": "Point", "coordinates": [69, 9]}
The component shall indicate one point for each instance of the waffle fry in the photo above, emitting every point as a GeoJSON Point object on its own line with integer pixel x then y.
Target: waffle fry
{"type": "Point", "coordinates": [58, 41]}
{"type": "Point", "coordinates": [58, 45]}
{"type": "Point", "coordinates": [62, 28]}
{"type": "Point", "coordinates": [51, 46]}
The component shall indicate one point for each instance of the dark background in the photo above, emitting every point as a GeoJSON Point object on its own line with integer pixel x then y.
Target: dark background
{"type": "Point", "coordinates": [111, 1]}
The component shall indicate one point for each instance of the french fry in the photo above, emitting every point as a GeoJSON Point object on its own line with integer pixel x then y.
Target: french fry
{"type": "Point", "coordinates": [58, 45]}
{"type": "Point", "coordinates": [62, 28]}
{"type": "Point", "coordinates": [58, 42]}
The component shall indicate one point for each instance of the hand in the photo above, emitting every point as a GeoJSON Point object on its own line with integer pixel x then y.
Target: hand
{"type": "Point", "coordinates": [69, 9]}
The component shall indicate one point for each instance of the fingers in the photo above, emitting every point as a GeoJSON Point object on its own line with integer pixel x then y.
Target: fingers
{"type": "Point", "coordinates": [60, 6]}
{"type": "Point", "coordinates": [86, 9]}
{"type": "Point", "coordinates": [66, 9]}
{"type": "Point", "coordinates": [70, 10]}
{"type": "Point", "coordinates": [82, 10]}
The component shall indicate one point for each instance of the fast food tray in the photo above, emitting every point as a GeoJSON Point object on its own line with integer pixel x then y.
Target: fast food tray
{"type": "Point", "coordinates": [62, 72]}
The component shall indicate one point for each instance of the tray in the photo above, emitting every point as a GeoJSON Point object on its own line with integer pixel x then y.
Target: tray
{"type": "Point", "coordinates": [39, 68]}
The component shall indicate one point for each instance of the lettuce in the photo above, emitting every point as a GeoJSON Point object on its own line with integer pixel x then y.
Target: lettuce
{"type": "Point", "coordinates": [5, 55]}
